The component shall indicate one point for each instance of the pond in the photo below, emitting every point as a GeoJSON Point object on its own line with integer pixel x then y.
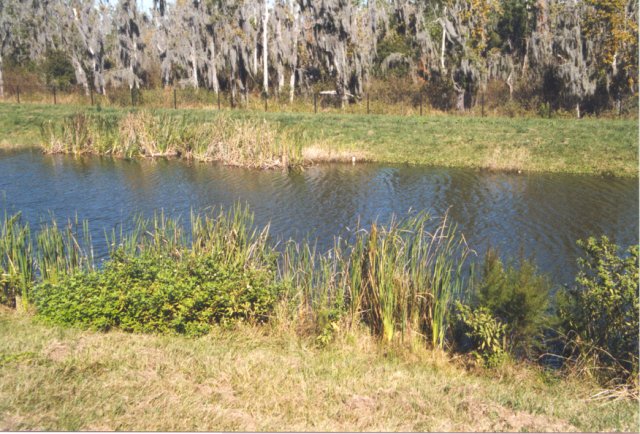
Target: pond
{"type": "Point", "coordinates": [535, 215]}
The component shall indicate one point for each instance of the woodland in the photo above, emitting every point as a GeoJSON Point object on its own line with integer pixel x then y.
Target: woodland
{"type": "Point", "coordinates": [574, 55]}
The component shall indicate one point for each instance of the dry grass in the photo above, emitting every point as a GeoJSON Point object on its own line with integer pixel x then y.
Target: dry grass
{"type": "Point", "coordinates": [260, 379]}
{"type": "Point", "coordinates": [323, 153]}
{"type": "Point", "coordinates": [588, 146]}
{"type": "Point", "coordinates": [507, 159]}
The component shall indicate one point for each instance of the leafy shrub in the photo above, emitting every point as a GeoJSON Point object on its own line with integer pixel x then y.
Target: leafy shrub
{"type": "Point", "coordinates": [518, 297]}
{"type": "Point", "coordinates": [600, 313]}
{"type": "Point", "coordinates": [487, 333]}
{"type": "Point", "coordinates": [153, 293]}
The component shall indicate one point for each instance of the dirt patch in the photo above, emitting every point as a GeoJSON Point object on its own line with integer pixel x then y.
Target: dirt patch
{"type": "Point", "coordinates": [57, 351]}
{"type": "Point", "coordinates": [495, 417]}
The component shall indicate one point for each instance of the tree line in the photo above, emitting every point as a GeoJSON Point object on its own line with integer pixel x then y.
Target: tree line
{"type": "Point", "coordinates": [577, 55]}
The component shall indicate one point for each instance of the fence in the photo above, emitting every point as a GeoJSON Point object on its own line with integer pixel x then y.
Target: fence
{"type": "Point", "coordinates": [408, 102]}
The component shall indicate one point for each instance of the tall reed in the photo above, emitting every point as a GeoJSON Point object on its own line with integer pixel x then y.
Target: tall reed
{"type": "Point", "coordinates": [64, 251]}
{"type": "Point", "coordinates": [233, 141]}
{"type": "Point", "coordinates": [398, 278]}
{"type": "Point", "coordinates": [16, 261]}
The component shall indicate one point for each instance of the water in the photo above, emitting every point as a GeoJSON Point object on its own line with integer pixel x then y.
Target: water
{"type": "Point", "coordinates": [540, 215]}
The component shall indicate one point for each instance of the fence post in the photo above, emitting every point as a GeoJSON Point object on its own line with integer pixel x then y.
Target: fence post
{"type": "Point", "coordinates": [91, 94]}
{"type": "Point", "coordinates": [367, 102]}
{"type": "Point", "coordinates": [18, 94]}
{"type": "Point", "coordinates": [420, 99]}
{"type": "Point", "coordinates": [482, 103]}
{"type": "Point", "coordinates": [175, 99]}
{"type": "Point", "coordinates": [315, 102]}
{"type": "Point", "coordinates": [266, 107]}
{"type": "Point", "coordinates": [133, 103]}
{"type": "Point", "coordinates": [218, 94]}
{"type": "Point", "coordinates": [55, 101]}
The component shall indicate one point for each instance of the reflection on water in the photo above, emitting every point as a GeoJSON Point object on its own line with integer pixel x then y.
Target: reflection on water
{"type": "Point", "coordinates": [541, 215]}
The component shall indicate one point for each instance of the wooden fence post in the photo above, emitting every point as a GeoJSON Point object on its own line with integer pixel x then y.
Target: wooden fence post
{"type": "Point", "coordinates": [315, 102]}
{"type": "Point", "coordinates": [175, 99]}
{"type": "Point", "coordinates": [55, 101]}
{"type": "Point", "coordinates": [91, 94]}
{"type": "Point", "coordinates": [482, 103]}
{"type": "Point", "coordinates": [367, 102]}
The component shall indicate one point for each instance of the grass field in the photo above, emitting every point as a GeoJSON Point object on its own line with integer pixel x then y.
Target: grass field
{"type": "Point", "coordinates": [589, 146]}
{"type": "Point", "coordinates": [254, 379]}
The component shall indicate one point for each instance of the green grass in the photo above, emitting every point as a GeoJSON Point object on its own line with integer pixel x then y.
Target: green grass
{"type": "Point", "coordinates": [254, 379]}
{"type": "Point", "coordinates": [589, 146]}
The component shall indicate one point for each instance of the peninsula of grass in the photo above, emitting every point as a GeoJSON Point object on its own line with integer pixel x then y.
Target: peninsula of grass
{"type": "Point", "coordinates": [265, 379]}
{"type": "Point", "coordinates": [585, 146]}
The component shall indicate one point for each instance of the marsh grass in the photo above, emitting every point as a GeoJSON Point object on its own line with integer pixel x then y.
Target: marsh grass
{"type": "Point", "coordinates": [233, 141]}
{"type": "Point", "coordinates": [16, 261]}
{"type": "Point", "coordinates": [400, 279]}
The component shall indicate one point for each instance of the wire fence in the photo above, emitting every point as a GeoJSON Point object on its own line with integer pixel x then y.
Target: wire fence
{"type": "Point", "coordinates": [400, 102]}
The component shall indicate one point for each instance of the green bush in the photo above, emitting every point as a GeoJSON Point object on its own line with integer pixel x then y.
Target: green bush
{"type": "Point", "coordinates": [518, 297]}
{"type": "Point", "coordinates": [487, 333]}
{"type": "Point", "coordinates": [153, 293]}
{"type": "Point", "coordinates": [600, 313]}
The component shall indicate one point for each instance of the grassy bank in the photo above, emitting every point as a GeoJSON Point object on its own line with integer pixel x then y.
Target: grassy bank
{"type": "Point", "coordinates": [250, 379]}
{"type": "Point", "coordinates": [589, 146]}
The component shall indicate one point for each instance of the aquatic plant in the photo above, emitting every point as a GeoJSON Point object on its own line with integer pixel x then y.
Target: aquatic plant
{"type": "Point", "coordinates": [398, 278]}
{"type": "Point", "coordinates": [16, 261]}
{"type": "Point", "coordinates": [240, 142]}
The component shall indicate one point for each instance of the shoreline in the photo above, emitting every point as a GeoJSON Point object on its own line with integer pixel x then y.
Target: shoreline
{"type": "Point", "coordinates": [509, 145]}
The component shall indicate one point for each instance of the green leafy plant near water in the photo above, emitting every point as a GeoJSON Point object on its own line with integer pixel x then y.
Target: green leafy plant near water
{"type": "Point", "coordinates": [600, 313]}
{"type": "Point", "coordinates": [157, 294]}
{"type": "Point", "coordinates": [403, 281]}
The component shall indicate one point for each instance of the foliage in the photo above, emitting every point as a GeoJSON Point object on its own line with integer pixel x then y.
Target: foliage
{"type": "Point", "coordinates": [518, 298]}
{"type": "Point", "coordinates": [58, 69]}
{"type": "Point", "coordinates": [487, 333]}
{"type": "Point", "coordinates": [600, 313]}
{"type": "Point", "coordinates": [156, 294]}
{"type": "Point", "coordinates": [17, 271]}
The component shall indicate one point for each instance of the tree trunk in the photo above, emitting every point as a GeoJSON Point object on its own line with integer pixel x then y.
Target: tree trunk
{"type": "Point", "coordinates": [265, 50]}
{"type": "Point", "coordinates": [460, 94]}
{"type": "Point", "coordinates": [525, 61]}
{"type": "Point", "coordinates": [1, 79]}
{"type": "Point", "coordinates": [294, 63]}
{"type": "Point", "coordinates": [194, 67]}
{"type": "Point", "coordinates": [81, 76]}
{"type": "Point", "coordinates": [212, 66]}
{"type": "Point", "coordinates": [443, 46]}
{"type": "Point", "coordinates": [279, 61]}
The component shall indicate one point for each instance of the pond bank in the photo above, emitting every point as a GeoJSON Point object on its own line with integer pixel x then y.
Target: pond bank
{"type": "Point", "coordinates": [251, 379]}
{"type": "Point", "coordinates": [587, 146]}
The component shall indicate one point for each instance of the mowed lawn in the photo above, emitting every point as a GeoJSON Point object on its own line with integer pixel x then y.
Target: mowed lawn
{"type": "Point", "coordinates": [589, 146]}
{"type": "Point", "coordinates": [254, 379]}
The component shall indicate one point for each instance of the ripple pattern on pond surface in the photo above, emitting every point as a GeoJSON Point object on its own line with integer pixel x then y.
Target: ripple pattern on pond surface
{"type": "Point", "coordinates": [541, 215]}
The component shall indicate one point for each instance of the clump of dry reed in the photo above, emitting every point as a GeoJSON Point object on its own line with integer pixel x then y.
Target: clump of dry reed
{"type": "Point", "coordinates": [233, 141]}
